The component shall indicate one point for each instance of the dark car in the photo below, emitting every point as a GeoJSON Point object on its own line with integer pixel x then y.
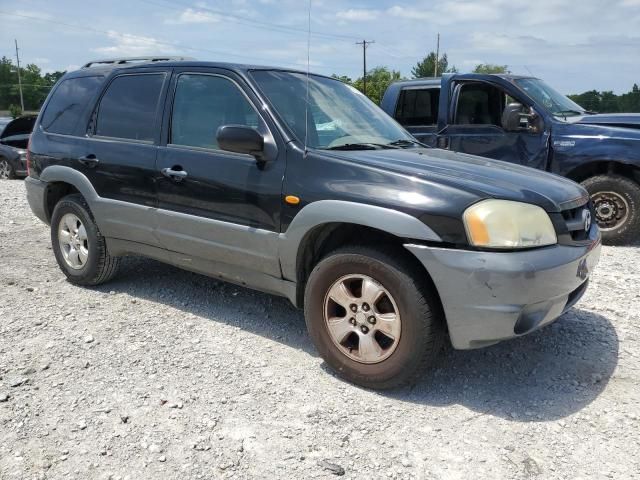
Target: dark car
{"type": "Point", "coordinates": [13, 147]}
{"type": "Point", "coordinates": [298, 185]}
{"type": "Point", "coordinates": [523, 120]}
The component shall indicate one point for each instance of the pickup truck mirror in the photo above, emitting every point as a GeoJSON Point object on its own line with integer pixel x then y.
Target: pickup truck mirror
{"type": "Point", "coordinates": [514, 119]}
{"type": "Point", "coordinates": [241, 139]}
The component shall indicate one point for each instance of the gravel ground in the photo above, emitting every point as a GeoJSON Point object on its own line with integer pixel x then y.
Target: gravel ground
{"type": "Point", "coordinates": [167, 374]}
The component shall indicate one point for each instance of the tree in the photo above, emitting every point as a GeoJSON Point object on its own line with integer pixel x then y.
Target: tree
{"type": "Point", "coordinates": [426, 67]}
{"type": "Point", "coordinates": [489, 68]}
{"type": "Point", "coordinates": [378, 79]}
{"type": "Point", "coordinates": [343, 79]}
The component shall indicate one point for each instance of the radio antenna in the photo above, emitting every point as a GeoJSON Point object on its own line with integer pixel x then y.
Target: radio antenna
{"type": "Point", "coordinates": [306, 103]}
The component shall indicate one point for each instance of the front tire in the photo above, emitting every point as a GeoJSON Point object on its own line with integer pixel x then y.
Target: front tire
{"type": "Point", "coordinates": [79, 248]}
{"type": "Point", "coordinates": [7, 172]}
{"type": "Point", "coordinates": [616, 201]}
{"type": "Point", "coordinates": [372, 317]}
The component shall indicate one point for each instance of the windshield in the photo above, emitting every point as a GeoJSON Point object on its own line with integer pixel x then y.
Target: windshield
{"type": "Point", "coordinates": [556, 103]}
{"type": "Point", "coordinates": [338, 116]}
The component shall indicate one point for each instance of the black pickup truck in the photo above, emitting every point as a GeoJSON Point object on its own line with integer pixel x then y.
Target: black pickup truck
{"type": "Point", "coordinates": [523, 120]}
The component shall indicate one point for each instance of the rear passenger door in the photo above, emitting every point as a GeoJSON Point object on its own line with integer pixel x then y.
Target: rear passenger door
{"type": "Point", "coordinates": [417, 111]}
{"type": "Point", "coordinates": [226, 206]}
{"type": "Point", "coordinates": [120, 151]}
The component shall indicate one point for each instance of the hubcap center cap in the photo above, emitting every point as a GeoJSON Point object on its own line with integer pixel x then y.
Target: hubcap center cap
{"type": "Point", "coordinates": [361, 317]}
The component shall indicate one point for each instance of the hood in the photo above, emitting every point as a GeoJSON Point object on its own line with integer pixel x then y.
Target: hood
{"type": "Point", "coordinates": [625, 120]}
{"type": "Point", "coordinates": [483, 177]}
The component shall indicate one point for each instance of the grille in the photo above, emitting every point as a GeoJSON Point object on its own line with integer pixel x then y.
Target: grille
{"type": "Point", "coordinates": [575, 220]}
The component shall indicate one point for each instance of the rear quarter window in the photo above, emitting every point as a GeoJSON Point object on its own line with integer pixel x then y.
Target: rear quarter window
{"type": "Point", "coordinates": [69, 102]}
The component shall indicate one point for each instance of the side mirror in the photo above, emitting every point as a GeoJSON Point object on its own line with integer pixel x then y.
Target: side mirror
{"type": "Point", "coordinates": [241, 139]}
{"type": "Point", "coordinates": [514, 119]}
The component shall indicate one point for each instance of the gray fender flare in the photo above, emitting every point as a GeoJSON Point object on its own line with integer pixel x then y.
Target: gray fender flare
{"type": "Point", "coordinates": [338, 211]}
{"type": "Point", "coordinates": [59, 173]}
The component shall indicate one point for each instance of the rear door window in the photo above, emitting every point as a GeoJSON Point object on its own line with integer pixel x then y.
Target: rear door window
{"type": "Point", "coordinates": [418, 107]}
{"type": "Point", "coordinates": [69, 102]}
{"type": "Point", "coordinates": [129, 107]}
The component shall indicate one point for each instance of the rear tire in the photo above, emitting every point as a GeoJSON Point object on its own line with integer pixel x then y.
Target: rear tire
{"type": "Point", "coordinates": [400, 356]}
{"type": "Point", "coordinates": [79, 248]}
{"type": "Point", "coordinates": [617, 205]}
{"type": "Point", "coordinates": [7, 172]}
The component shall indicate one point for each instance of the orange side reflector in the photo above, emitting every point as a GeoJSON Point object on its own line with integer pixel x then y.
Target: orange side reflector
{"type": "Point", "coordinates": [292, 200]}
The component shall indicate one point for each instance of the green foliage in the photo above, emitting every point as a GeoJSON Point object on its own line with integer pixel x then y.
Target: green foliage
{"type": "Point", "coordinates": [378, 79]}
{"type": "Point", "coordinates": [490, 68]}
{"type": "Point", "coordinates": [15, 111]}
{"type": "Point", "coordinates": [609, 102]}
{"type": "Point", "coordinates": [35, 85]}
{"type": "Point", "coordinates": [426, 67]}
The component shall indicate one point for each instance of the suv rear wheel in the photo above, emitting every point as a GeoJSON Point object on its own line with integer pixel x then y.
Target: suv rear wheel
{"type": "Point", "coordinates": [79, 248]}
{"type": "Point", "coordinates": [616, 201]}
{"type": "Point", "coordinates": [372, 318]}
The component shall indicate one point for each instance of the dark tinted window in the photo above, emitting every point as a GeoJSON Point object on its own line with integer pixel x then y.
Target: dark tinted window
{"type": "Point", "coordinates": [480, 104]}
{"type": "Point", "coordinates": [202, 104]}
{"type": "Point", "coordinates": [418, 107]}
{"type": "Point", "coordinates": [129, 107]}
{"type": "Point", "coordinates": [69, 101]}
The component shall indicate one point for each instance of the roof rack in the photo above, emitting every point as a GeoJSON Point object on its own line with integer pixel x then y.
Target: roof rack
{"type": "Point", "coordinates": [130, 60]}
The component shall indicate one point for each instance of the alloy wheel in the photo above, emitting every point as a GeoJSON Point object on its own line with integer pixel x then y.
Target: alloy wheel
{"type": "Point", "coordinates": [74, 244]}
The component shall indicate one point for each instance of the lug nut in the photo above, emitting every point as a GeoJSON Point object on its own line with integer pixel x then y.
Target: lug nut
{"type": "Point", "coordinates": [372, 320]}
{"type": "Point", "coordinates": [354, 307]}
{"type": "Point", "coordinates": [365, 307]}
{"type": "Point", "coordinates": [352, 321]}
{"type": "Point", "coordinates": [364, 329]}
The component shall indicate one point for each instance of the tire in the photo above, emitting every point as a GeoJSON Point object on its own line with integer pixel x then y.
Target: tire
{"type": "Point", "coordinates": [7, 172]}
{"type": "Point", "coordinates": [95, 266]}
{"type": "Point", "coordinates": [421, 333]}
{"type": "Point", "coordinates": [617, 205]}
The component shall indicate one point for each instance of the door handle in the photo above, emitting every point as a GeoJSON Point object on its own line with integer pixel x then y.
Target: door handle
{"type": "Point", "coordinates": [89, 160]}
{"type": "Point", "coordinates": [174, 173]}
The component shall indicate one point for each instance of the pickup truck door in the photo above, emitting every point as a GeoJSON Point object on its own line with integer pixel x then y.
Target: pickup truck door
{"type": "Point", "coordinates": [470, 121]}
{"type": "Point", "coordinates": [216, 205]}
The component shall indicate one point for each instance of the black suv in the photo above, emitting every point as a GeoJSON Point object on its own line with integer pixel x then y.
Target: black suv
{"type": "Point", "coordinates": [298, 185]}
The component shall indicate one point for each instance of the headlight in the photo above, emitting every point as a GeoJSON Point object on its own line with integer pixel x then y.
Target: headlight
{"type": "Point", "coordinates": [507, 224]}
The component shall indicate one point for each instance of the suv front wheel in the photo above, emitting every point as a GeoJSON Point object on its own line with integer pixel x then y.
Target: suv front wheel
{"type": "Point", "coordinates": [79, 248]}
{"type": "Point", "coordinates": [372, 317]}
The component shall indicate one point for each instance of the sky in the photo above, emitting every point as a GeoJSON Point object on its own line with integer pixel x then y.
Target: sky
{"type": "Point", "coordinates": [573, 45]}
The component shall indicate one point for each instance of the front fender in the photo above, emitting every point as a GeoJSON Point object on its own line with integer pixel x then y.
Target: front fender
{"type": "Point", "coordinates": [322, 212]}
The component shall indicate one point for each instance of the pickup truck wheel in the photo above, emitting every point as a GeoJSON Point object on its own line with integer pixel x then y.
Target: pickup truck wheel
{"type": "Point", "coordinates": [79, 248]}
{"type": "Point", "coordinates": [372, 318]}
{"type": "Point", "coordinates": [6, 170]}
{"type": "Point", "coordinates": [616, 201]}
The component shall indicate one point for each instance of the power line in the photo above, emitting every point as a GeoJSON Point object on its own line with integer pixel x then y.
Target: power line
{"type": "Point", "coordinates": [364, 44]}
{"type": "Point", "coordinates": [249, 21]}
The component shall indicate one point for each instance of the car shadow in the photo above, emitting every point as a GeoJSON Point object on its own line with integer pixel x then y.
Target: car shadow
{"type": "Point", "coordinates": [543, 376]}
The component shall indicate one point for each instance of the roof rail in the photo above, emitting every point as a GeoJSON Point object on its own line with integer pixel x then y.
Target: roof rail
{"type": "Point", "coordinates": [129, 60]}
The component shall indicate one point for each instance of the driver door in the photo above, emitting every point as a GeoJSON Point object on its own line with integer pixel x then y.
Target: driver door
{"type": "Point", "coordinates": [476, 126]}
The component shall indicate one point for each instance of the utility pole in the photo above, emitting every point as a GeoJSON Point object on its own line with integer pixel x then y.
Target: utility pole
{"type": "Point", "coordinates": [364, 44]}
{"type": "Point", "coordinates": [435, 73]}
{"type": "Point", "coordinates": [19, 79]}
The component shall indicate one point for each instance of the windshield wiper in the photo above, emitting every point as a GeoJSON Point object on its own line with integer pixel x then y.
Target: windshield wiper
{"type": "Point", "coordinates": [404, 142]}
{"type": "Point", "coordinates": [565, 112]}
{"type": "Point", "coordinates": [361, 146]}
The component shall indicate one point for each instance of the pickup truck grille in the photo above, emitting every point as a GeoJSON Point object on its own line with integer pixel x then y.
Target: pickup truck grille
{"type": "Point", "coordinates": [576, 219]}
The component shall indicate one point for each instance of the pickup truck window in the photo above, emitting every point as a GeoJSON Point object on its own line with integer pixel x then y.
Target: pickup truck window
{"type": "Point", "coordinates": [418, 107]}
{"type": "Point", "coordinates": [129, 107]}
{"type": "Point", "coordinates": [337, 114]}
{"type": "Point", "coordinates": [544, 95]}
{"type": "Point", "coordinates": [480, 104]}
{"type": "Point", "coordinates": [202, 104]}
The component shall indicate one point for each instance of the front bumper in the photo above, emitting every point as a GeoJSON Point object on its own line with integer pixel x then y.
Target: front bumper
{"type": "Point", "coordinates": [492, 296]}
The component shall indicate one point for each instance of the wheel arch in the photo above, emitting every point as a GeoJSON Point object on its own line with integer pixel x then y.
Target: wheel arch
{"type": "Point", "coordinates": [62, 181]}
{"type": "Point", "coordinates": [603, 167]}
{"type": "Point", "coordinates": [326, 225]}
